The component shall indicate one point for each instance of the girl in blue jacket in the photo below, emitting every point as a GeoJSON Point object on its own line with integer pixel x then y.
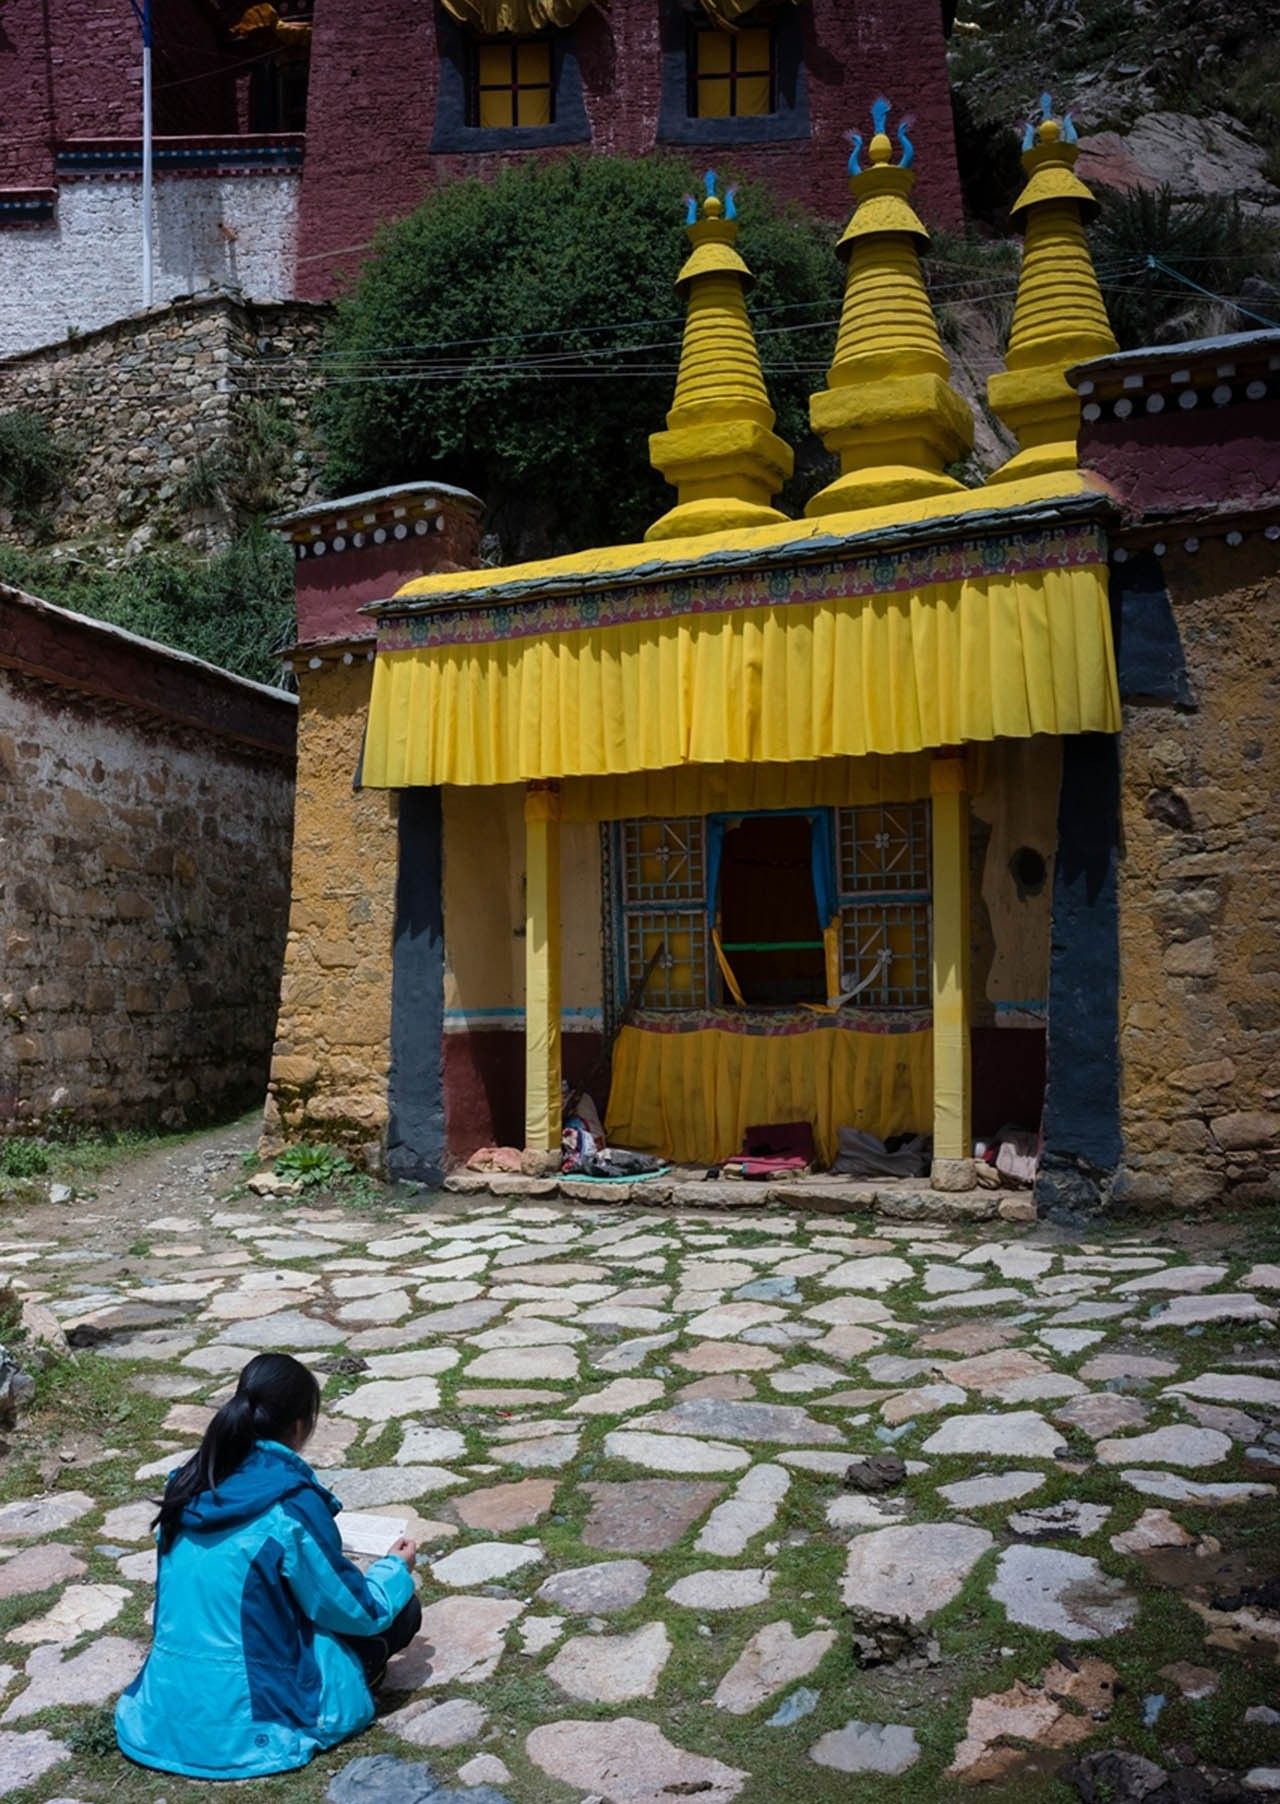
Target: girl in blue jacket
{"type": "Point", "coordinates": [268, 1643]}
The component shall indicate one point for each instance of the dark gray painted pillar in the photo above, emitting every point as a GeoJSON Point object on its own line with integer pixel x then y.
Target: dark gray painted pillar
{"type": "Point", "coordinates": [415, 1129]}
{"type": "Point", "coordinates": [1082, 1142]}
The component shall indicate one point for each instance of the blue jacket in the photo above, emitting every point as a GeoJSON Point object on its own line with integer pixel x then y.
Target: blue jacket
{"type": "Point", "coordinates": [246, 1674]}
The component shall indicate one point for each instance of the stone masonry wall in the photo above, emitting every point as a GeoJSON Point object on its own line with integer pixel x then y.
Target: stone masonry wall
{"type": "Point", "coordinates": [1200, 900]}
{"type": "Point", "coordinates": [332, 1053]}
{"type": "Point", "coordinates": [141, 402]}
{"type": "Point", "coordinates": [142, 906]}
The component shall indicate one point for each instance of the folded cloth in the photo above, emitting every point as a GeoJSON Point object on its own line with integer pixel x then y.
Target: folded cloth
{"type": "Point", "coordinates": [495, 1158]}
{"type": "Point", "coordinates": [863, 1156]}
{"type": "Point", "coordinates": [765, 1168]}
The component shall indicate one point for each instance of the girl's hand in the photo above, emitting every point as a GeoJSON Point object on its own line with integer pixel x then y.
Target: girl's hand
{"type": "Point", "coordinates": [405, 1549]}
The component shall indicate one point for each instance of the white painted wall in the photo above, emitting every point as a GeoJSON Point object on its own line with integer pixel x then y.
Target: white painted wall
{"type": "Point", "coordinates": [86, 270]}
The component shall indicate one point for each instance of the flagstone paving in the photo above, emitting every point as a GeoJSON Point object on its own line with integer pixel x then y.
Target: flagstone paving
{"type": "Point", "coordinates": [621, 1437]}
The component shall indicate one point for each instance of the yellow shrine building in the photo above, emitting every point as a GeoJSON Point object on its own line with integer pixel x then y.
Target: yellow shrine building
{"type": "Point", "coordinates": [759, 820]}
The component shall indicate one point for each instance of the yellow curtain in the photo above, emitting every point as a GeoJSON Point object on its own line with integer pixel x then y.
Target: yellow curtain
{"type": "Point", "coordinates": [518, 18]}
{"type": "Point", "coordinates": [1004, 655]}
{"type": "Point", "coordinates": [727, 788]}
{"type": "Point", "coordinates": [690, 1096]}
{"type": "Point", "coordinates": [729, 15]}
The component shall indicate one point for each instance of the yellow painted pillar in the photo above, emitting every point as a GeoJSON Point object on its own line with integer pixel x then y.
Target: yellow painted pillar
{"type": "Point", "coordinates": [542, 967]}
{"type": "Point", "coordinates": [952, 1125]}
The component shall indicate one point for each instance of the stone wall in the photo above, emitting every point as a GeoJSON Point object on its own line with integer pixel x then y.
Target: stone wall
{"type": "Point", "coordinates": [144, 808]}
{"type": "Point", "coordinates": [83, 270]}
{"type": "Point", "coordinates": [141, 403]}
{"type": "Point", "coordinates": [1200, 897]}
{"type": "Point", "coordinates": [332, 1051]}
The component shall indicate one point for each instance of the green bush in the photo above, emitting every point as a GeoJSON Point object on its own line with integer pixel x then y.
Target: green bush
{"type": "Point", "coordinates": [520, 337]}
{"type": "Point", "coordinates": [34, 465]}
{"type": "Point", "coordinates": [1209, 240]}
{"type": "Point", "coordinates": [234, 609]}
{"type": "Point", "coordinates": [22, 1158]}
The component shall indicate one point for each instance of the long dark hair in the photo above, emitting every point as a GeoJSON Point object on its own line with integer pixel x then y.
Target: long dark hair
{"type": "Point", "coordinates": [273, 1393]}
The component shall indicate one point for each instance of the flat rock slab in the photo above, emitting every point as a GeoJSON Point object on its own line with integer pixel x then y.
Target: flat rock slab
{"type": "Point", "coordinates": [388, 1399]}
{"type": "Point", "coordinates": [460, 1642]}
{"type": "Point", "coordinates": [382, 1779]}
{"type": "Point", "coordinates": [1107, 1368]}
{"type": "Point", "coordinates": [627, 1761]}
{"type": "Point", "coordinates": [431, 1725]}
{"type": "Point", "coordinates": [427, 1445]}
{"type": "Point", "coordinates": [1175, 1487]}
{"type": "Point", "coordinates": [26, 1757]}
{"type": "Point", "coordinates": [1018, 1434]}
{"type": "Point", "coordinates": [516, 1363]}
{"type": "Point", "coordinates": [81, 1610]}
{"type": "Point", "coordinates": [368, 1487]}
{"type": "Point", "coordinates": [867, 1274]}
{"type": "Point", "coordinates": [774, 1657]}
{"type": "Point", "coordinates": [1100, 1413]}
{"type": "Point", "coordinates": [596, 1590]}
{"type": "Point", "coordinates": [485, 1563]}
{"type": "Point", "coordinates": [612, 1669]}
{"type": "Point", "coordinates": [1232, 1387]}
{"type": "Point", "coordinates": [36, 1516]}
{"type": "Point", "coordinates": [1172, 1446]}
{"type": "Point", "coordinates": [868, 1748]}
{"type": "Point", "coordinates": [674, 1452]}
{"type": "Point", "coordinates": [1186, 1279]}
{"type": "Point", "coordinates": [1062, 1593]}
{"type": "Point", "coordinates": [911, 1571]}
{"type": "Point", "coordinates": [715, 1356]}
{"type": "Point", "coordinates": [739, 1588]}
{"type": "Point", "coordinates": [646, 1515]}
{"type": "Point", "coordinates": [1154, 1528]}
{"type": "Point", "coordinates": [1190, 1312]}
{"type": "Point", "coordinates": [784, 1424]}
{"type": "Point", "coordinates": [548, 1451]}
{"type": "Point", "coordinates": [751, 1510]}
{"type": "Point", "coordinates": [501, 1508]}
{"type": "Point", "coordinates": [617, 1398]}
{"type": "Point", "coordinates": [729, 1319]}
{"type": "Point", "coordinates": [990, 1488]}
{"type": "Point", "coordinates": [1057, 1521]}
{"type": "Point", "coordinates": [38, 1568]}
{"type": "Point", "coordinates": [92, 1677]}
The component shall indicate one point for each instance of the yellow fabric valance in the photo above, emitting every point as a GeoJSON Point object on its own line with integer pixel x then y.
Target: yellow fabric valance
{"type": "Point", "coordinates": [731, 15]}
{"type": "Point", "coordinates": [691, 1095]}
{"type": "Point", "coordinates": [516, 18]}
{"type": "Point", "coordinates": [773, 672]}
{"type": "Point", "coordinates": [726, 788]}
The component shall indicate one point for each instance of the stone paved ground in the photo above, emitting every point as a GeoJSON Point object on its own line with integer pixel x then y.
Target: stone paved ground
{"type": "Point", "coordinates": [712, 1505]}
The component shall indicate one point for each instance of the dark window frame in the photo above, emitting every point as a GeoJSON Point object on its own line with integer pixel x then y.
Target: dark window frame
{"type": "Point", "coordinates": [702, 28]}
{"type": "Point", "coordinates": [453, 131]}
{"type": "Point", "coordinates": [788, 121]}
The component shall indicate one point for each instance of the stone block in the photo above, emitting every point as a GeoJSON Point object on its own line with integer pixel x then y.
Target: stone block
{"type": "Point", "coordinates": [953, 1175]}
{"type": "Point", "coordinates": [73, 1043]}
{"type": "Point", "coordinates": [293, 1070]}
{"type": "Point", "coordinates": [1192, 958]}
{"type": "Point", "coordinates": [1246, 1129]}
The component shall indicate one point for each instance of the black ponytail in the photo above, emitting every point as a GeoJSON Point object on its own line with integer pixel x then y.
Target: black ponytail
{"type": "Point", "coordinates": [274, 1392]}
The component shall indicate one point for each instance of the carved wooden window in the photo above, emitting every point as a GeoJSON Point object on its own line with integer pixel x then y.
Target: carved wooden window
{"type": "Point", "coordinates": [882, 862]}
{"type": "Point", "coordinates": [512, 83]}
{"type": "Point", "coordinates": [663, 893]}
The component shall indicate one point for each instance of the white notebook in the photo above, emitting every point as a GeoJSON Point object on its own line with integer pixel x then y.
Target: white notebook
{"type": "Point", "coordinates": [367, 1535]}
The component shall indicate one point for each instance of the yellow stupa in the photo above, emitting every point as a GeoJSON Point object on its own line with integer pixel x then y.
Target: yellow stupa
{"type": "Point", "coordinates": [719, 451]}
{"type": "Point", "coordinates": [888, 411]}
{"type": "Point", "coordinates": [1059, 318]}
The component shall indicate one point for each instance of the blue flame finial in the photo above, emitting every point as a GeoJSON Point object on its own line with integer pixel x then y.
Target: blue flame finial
{"type": "Point", "coordinates": [855, 153]}
{"type": "Point", "coordinates": [908, 148]}
{"type": "Point", "coordinates": [880, 110]}
{"type": "Point", "coordinates": [690, 210]}
{"type": "Point", "coordinates": [709, 183]}
{"type": "Point", "coordinates": [731, 203]}
{"type": "Point", "coordinates": [1069, 133]}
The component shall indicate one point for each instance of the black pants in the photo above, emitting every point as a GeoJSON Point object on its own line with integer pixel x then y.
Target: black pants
{"type": "Point", "coordinates": [374, 1651]}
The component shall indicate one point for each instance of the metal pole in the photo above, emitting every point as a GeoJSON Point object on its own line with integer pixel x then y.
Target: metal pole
{"type": "Point", "coordinates": [147, 284]}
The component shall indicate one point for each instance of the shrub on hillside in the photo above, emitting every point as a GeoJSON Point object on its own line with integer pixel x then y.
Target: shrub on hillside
{"type": "Point", "coordinates": [520, 337]}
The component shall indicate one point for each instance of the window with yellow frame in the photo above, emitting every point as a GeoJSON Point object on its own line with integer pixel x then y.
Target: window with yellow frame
{"type": "Point", "coordinates": [731, 73]}
{"type": "Point", "coordinates": [512, 83]}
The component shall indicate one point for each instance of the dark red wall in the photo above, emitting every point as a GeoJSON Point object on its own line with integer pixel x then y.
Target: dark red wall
{"type": "Point", "coordinates": [484, 1085]}
{"type": "Point", "coordinates": [372, 106]}
{"type": "Point", "coordinates": [1212, 454]}
{"type": "Point", "coordinates": [331, 590]}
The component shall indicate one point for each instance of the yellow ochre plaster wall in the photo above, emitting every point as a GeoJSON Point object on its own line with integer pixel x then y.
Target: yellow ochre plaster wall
{"type": "Point", "coordinates": [1199, 920]}
{"type": "Point", "coordinates": [484, 915]}
{"type": "Point", "coordinates": [332, 1052]}
{"type": "Point", "coordinates": [1018, 807]}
